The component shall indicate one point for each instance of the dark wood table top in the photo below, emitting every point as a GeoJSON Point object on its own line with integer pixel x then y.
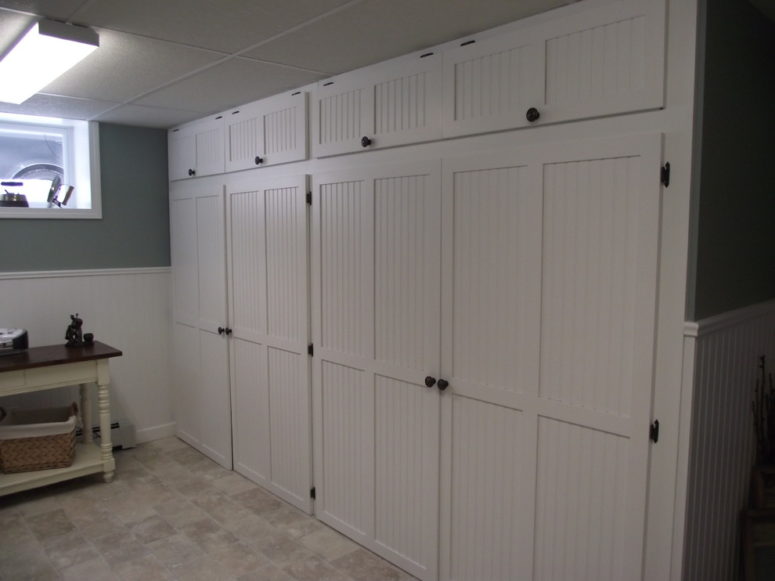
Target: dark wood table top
{"type": "Point", "coordinates": [56, 355]}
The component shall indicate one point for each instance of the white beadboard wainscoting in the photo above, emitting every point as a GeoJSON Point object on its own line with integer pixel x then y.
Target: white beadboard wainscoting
{"type": "Point", "coordinates": [724, 353]}
{"type": "Point", "coordinates": [126, 308]}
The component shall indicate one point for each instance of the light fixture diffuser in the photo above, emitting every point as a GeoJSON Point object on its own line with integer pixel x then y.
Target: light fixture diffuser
{"type": "Point", "coordinates": [44, 53]}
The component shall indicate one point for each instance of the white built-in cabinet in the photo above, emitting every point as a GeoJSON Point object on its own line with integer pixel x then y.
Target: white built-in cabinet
{"type": "Point", "coordinates": [200, 349]}
{"type": "Point", "coordinates": [269, 334]}
{"type": "Point", "coordinates": [601, 61]}
{"type": "Point", "coordinates": [196, 149]}
{"type": "Point", "coordinates": [493, 342]}
{"type": "Point", "coordinates": [395, 103]}
{"type": "Point", "coordinates": [455, 353]}
{"type": "Point", "coordinates": [242, 371]}
{"type": "Point", "coordinates": [267, 132]}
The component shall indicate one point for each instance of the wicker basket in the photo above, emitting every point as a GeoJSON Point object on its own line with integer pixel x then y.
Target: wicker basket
{"type": "Point", "coordinates": [37, 439]}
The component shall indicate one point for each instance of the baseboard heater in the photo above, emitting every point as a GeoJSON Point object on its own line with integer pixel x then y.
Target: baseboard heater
{"type": "Point", "coordinates": [122, 437]}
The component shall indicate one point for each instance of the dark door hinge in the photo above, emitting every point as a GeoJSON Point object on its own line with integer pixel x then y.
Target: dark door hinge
{"type": "Point", "coordinates": [664, 174]}
{"type": "Point", "coordinates": [654, 431]}
{"type": "Point", "coordinates": [312, 493]}
{"type": "Point", "coordinates": [309, 198]}
{"type": "Point", "coordinates": [311, 350]}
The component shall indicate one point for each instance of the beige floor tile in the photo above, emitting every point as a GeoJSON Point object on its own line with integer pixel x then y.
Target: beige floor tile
{"type": "Point", "coordinates": [92, 570]}
{"type": "Point", "coordinates": [203, 569]}
{"type": "Point", "coordinates": [233, 483]}
{"type": "Point", "coordinates": [175, 550]}
{"type": "Point", "coordinates": [314, 569]}
{"type": "Point", "coordinates": [50, 524]}
{"type": "Point", "coordinates": [362, 565]}
{"type": "Point", "coordinates": [328, 544]}
{"type": "Point", "coordinates": [180, 512]}
{"type": "Point", "coordinates": [238, 559]}
{"type": "Point", "coordinates": [147, 568]}
{"type": "Point", "coordinates": [209, 535]}
{"type": "Point", "coordinates": [258, 501]}
{"type": "Point", "coordinates": [266, 573]}
{"type": "Point", "coordinates": [67, 550]}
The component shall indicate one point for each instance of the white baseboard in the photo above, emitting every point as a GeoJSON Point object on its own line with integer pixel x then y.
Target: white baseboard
{"type": "Point", "coordinates": [156, 432]}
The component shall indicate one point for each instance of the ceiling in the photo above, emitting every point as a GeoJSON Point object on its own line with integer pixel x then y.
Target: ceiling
{"type": "Point", "coordinates": [164, 62]}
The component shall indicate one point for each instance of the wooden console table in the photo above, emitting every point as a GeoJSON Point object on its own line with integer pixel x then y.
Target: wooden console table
{"type": "Point", "coordinates": [53, 366]}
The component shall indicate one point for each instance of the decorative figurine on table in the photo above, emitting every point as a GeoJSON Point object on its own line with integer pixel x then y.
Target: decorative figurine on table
{"type": "Point", "coordinates": [74, 334]}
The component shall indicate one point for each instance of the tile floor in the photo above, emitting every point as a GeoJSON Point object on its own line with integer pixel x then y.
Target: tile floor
{"type": "Point", "coordinates": [172, 514]}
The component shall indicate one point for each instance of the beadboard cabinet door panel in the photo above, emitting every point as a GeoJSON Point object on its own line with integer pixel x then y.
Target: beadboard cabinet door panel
{"type": "Point", "coordinates": [268, 298]}
{"type": "Point", "coordinates": [196, 149]}
{"type": "Point", "coordinates": [376, 277]}
{"type": "Point", "coordinates": [603, 61]}
{"type": "Point", "coordinates": [267, 132]}
{"type": "Point", "coordinates": [549, 302]}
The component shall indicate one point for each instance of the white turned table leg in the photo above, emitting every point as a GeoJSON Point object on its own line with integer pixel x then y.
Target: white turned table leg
{"type": "Point", "coordinates": [86, 414]}
{"type": "Point", "coordinates": [106, 445]}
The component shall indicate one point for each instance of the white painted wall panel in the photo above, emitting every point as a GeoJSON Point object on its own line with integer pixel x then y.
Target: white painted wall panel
{"type": "Point", "coordinates": [280, 131]}
{"type": "Point", "coordinates": [211, 257]}
{"type": "Point", "coordinates": [722, 447]}
{"type": "Point", "coordinates": [214, 398]}
{"type": "Point", "coordinates": [582, 505]}
{"type": "Point", "coordinates": [107, 300]}
{"type": "Point", "coordinates": [244, 142]}
{"type": "Point", "coordinates": [209, 151]}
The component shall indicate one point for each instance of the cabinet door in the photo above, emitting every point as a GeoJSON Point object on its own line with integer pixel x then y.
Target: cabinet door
{"type": "Point", "coordinates": [376, 276]}
{"type": "Point", "coordinates": [343, 114]}
{"type": "Point", "coordinates": [209, 147]}
{"type": "Point", "coordinates": [549, 294]}
{"type": "Point", "coordinates": [267, 132]}
{"type": "Point", "coordinates": [587, 63]}
{"type": "Point", "coordinates": [181, 148]}
{"type": "Point", "coordinates": [407, 100]}
{"type": "Point", "coordinates": [268, 247]}
{"type": "Point", "coordinates": [201, 374]}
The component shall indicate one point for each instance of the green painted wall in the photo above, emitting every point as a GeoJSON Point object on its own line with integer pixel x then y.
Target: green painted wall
{"type": "Point", "coordinates": [134, 230]}
{"type": "Point", "coordinates": [734, 264]}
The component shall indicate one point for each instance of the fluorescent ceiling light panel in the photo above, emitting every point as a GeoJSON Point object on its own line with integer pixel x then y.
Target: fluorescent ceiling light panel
{"type": "Point", "coordinates": [47, 50]}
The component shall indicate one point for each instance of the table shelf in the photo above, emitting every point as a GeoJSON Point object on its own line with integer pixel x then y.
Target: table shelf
{"type": "Point", "coordinates": [88, 460]}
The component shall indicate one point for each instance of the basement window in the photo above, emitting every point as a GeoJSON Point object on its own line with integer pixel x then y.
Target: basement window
{"type": "Point", "coordinates": [49, 168]}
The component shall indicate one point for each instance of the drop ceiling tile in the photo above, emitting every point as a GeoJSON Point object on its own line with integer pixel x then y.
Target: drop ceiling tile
{"type": "Point", "coordinates": [234, 82]}
{"type": "Point", "coordinates": [126, 66]}
{"type": "Point", "coordinates": [214, 24]}
{"type": "Point", "coordinates": [141, 116]}
{"type": "Point", "coordinates": [376, 30]}
{"type": "Point", "coordinates": [57, 106]}
{"type": "Point", "coordinates": [61, 9]}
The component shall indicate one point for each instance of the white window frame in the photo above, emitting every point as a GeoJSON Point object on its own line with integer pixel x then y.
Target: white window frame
{"type": "Point", "coordinates": [81, 160]}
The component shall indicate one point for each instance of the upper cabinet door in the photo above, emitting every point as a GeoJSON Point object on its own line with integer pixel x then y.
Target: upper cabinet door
{"type": "Point", "coordinates": [393, 103]}
{"type": "Point", "coordinates": [343, 115]}
{"type": "Point", "coordinates": [596, 62]}
{"type": "Point", "coordinates": [407, 101]}
{"type": "Point", "coordinates": [267, 132]}
{"type": "Point", "coordinates": [196, 149]}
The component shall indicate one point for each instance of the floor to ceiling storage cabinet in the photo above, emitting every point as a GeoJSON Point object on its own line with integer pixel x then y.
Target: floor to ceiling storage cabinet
{"type": "Point", "coordinates": [376, 288]}
{"type": "Point", "coordinates": [269, 328]}
{"type": "Point", "coordinates": [445, 351]}
{"type": "Point", "coordinates": [200, 348]}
